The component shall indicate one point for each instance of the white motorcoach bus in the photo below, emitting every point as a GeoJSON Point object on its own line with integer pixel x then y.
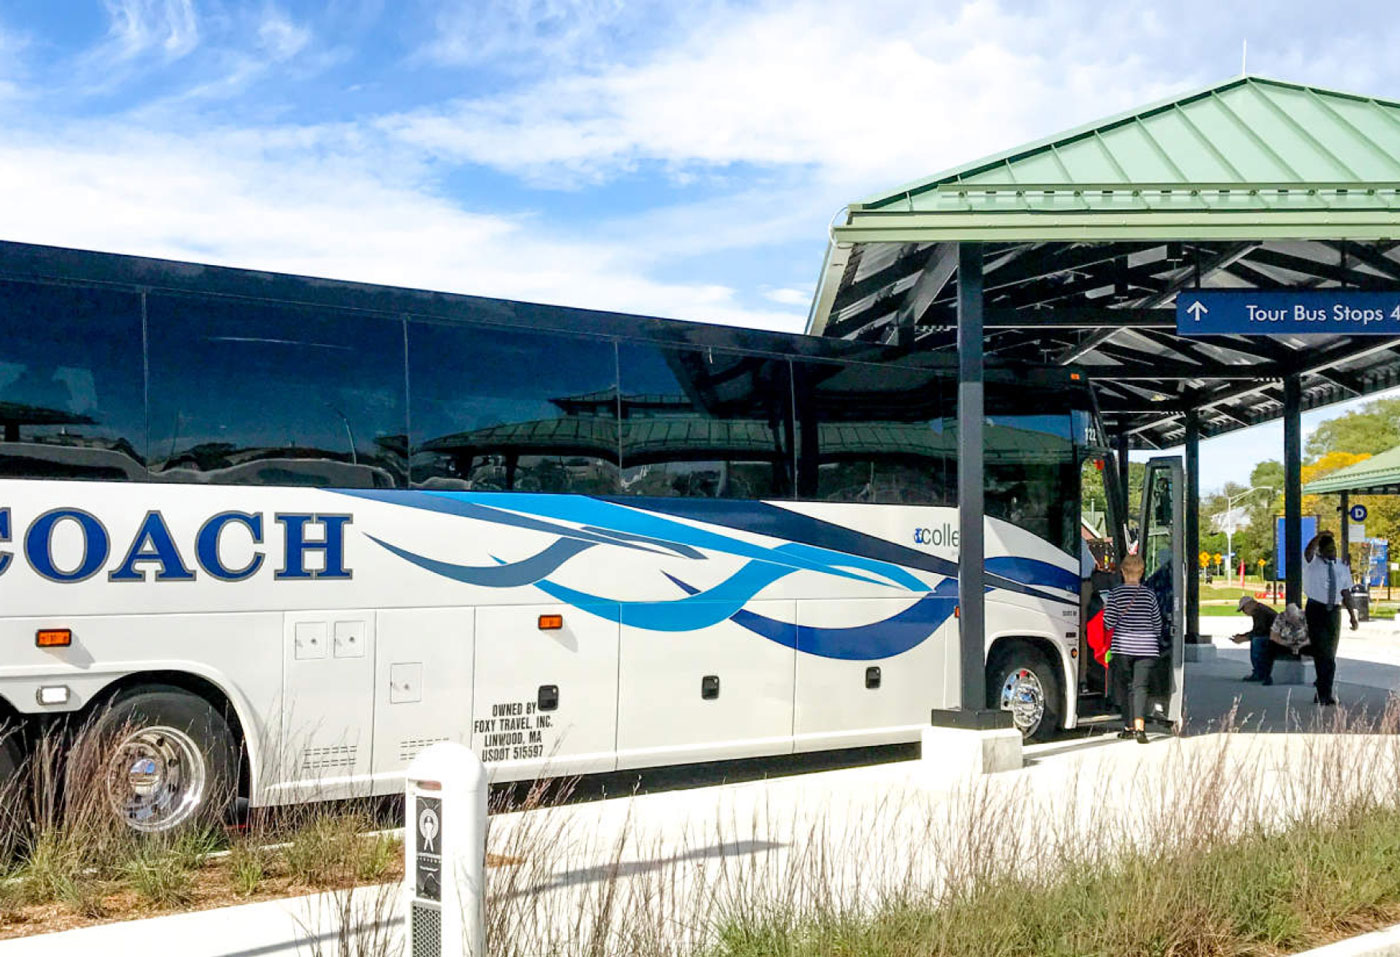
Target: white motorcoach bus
{"type": "Point", "coordinates": [290, 532]}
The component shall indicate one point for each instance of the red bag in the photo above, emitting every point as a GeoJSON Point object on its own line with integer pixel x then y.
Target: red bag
{"type": "Point", "coordinates": [1099, 638]}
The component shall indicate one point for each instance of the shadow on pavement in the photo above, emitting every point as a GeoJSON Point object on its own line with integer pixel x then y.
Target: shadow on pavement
{"type": "Point", "coordinates": [622, 869]}
{"type": "Point", "coordinates": [1216, 697]}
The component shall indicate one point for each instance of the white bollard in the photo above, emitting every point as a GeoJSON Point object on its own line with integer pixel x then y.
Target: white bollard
{"type": "Point", "coordinates": [445, 852]}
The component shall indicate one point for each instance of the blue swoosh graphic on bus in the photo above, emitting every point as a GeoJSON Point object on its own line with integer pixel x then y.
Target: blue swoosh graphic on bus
{"type": "Point", "coordinates": [512, 575]}
{"type": "Point", "coordinates": [765, 518]}
{"type": "Point", "coordinates": [879, 639]}
{"type": "Point", "coordinates": [700, 609]}
{"type": "Point", "coordinates": [498, 516]}
{"type": "Point", "coordinates": [684, 551]}
{"type": "Point", "coordinates": [630, 528]}
{"type": "Point", "coordinates": [631, 521]}
{"type": "Point", "coordinates": [893, 573]}
{"type": "Point", "coordinates": [1032, 571]}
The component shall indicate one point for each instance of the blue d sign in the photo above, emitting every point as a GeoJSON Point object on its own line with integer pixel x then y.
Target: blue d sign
{"type": "Point", "coordinates": [1357, 513]}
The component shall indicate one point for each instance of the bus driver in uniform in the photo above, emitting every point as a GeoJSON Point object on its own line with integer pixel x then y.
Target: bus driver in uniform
{"type": "Point", "coordinates": [1327, 584]}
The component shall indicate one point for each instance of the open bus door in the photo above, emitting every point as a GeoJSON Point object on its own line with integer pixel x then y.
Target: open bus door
{"type": "Point", "coordinates": [1161, 543]}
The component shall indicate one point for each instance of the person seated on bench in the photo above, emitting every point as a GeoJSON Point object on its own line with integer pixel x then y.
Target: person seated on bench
{"type": "Point", "coordinates": [1262, 651]}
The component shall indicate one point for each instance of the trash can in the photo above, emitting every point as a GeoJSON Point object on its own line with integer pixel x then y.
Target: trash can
{"type": "Point", "coordinates": [1361, 603]}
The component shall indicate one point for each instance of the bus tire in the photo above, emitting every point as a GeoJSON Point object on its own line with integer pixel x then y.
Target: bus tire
{"type": "Point", "coordinates": [1022, 681]}
{"type": "Point", "coordinates": [167, 759]}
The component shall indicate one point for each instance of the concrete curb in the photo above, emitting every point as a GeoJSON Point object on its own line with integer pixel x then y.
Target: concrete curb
{"type": "Point", "coordinates": [1380, 943]}
{"type": "Point", "coordinates": [302, 926]}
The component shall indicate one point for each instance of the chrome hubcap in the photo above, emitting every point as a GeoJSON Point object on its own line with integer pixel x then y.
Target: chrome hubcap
{"type": "Point", "coordinates": [1023, 696]}
{"type": "Point", "coordinates": [156, 779]}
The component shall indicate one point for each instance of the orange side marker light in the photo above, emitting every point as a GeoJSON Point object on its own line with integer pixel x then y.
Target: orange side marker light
{"type": "Point", "coordinates": [53, 637]}
{"type": "Point", "coordinates": [551, 622]}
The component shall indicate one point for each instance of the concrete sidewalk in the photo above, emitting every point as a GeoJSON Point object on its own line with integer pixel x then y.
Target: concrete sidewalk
{"type": "Point", "coordinates": [1368, 673]}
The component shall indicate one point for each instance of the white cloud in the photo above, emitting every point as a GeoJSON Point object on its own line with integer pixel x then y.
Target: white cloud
{"type": "Point", "coordinates": [281, 38]}
{"type": "Point", "coordinates": [311, 202]}
{"type": "Point", "coordinates": [276, 41]}
{"type": "Point", "coordinates": [789, 297]}
{"type": "Point", "coordinates": [12, 50]}
{"type": "Point", "coordinates": [558, 32]}
{"type": "Point", "coordinates": [875, 93]}
{"type": "Point", "coordinates": [137, 26]}
{"type": "Point", "coordinates": [826, 100]}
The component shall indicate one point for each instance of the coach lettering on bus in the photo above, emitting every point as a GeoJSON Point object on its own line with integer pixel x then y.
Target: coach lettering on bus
{"type": "Point", "coordinates": [154, 545]}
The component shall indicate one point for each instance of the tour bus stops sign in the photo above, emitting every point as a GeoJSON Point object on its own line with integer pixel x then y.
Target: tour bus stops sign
{"type": "Point", "coordinates": [1319, 312]}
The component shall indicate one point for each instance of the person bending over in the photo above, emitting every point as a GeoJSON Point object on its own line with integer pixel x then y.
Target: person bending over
{"type": "Point", "coordinates": [1327, 584]}
{"type": "Point", "coordinates": [1131, 611]}
{"type": "Point", "coordinates": [1262, 651]}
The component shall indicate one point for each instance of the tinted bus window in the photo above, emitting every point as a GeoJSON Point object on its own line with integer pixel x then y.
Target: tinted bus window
{"type": "Point", "coordinates": [72, 384]}
{"type": "Point", "coordinates": [250, 393]}
{"type": "Point", "coordinates": [704, 424]}
{"type": "Point", "coordinates": [871, 433]}
{"type": "Point", "coordinates": [500, 410]}
{"type": "Point", "coordinates": [1032, 475]}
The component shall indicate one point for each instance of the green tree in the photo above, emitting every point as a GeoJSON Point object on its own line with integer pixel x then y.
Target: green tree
{"type": "Point", "coordinates": [1373, 428]}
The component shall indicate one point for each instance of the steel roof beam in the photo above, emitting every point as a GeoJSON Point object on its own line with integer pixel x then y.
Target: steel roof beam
{"type": "Point", "coordinates": [934, 275]}
{"type": "Point", "coordinates": [1371, 256]}
{"type": "Point", "coordinates": [1232, 253]}
{"type": "Point", "coordinates": [1243, 270]}
{"type": "Point", "coordinates": [1069, 257]}
{"type": "Point", "coordinates": [1080, 317]}
{"type": "Point", "coordinates": [1165, 370]}
{"type": "Point", "coordinates": [1321, 270]}
{"type": "Point", "coordinates": [904, 265]}
{"type": "Point", "coordinates": [1315, 363]}
{"type": "Point", "coordinates": [1342, 380]}
{"type": "Point", "coordinates": [1259, 347]}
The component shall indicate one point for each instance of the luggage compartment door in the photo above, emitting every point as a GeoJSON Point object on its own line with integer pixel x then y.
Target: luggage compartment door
{"type": "Point", "coordinates": [327, 704]}
{"type": "Point", "coordinates": [719, 692]}
{"type": "Point", "coordinates": [422, 684]}
{"type": "Point", "coordinates": [844, 699]}
{"type": "Point", "coordinates": [544, 700]}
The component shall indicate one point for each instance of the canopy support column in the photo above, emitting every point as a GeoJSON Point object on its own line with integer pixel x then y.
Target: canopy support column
{"type": "Point", "coordinates": [1345, 509]}
{"type": "Point", "coordinates": [972, 709]}
{"type": "Point", "coordinates": [1121, 447]}
{"type": "Point", "coordinates": [1293, 488]}
{"type": "Point", "coordinates": [1193, 527]}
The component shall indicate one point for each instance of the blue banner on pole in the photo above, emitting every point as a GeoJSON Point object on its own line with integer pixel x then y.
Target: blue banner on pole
{"type": "Point", "coordinates": [1330, 312]}
{"type": "Point", "coordinates": [1378, 569]}
{"type": "Point", "coordinates": [1280, 556]}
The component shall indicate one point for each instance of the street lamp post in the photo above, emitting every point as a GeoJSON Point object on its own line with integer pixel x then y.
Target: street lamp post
{"type": "Point", "coordinates": [1230, 524]}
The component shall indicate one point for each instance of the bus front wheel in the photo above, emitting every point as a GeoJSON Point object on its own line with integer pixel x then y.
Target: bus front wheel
{"type": "Point", "coordinates": [167, 758]}
{"type": "Point", "coordinates": [1022, 681]}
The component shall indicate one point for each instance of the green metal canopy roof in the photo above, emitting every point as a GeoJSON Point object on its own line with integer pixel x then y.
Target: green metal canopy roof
{"type": "Point", "coordinates": [1250, 158]}
{"type": "Point", "coordinates": [1378, 475]}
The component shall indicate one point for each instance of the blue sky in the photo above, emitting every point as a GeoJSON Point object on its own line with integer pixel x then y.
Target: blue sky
{"type": "Point", "coordinates": [677, 159]}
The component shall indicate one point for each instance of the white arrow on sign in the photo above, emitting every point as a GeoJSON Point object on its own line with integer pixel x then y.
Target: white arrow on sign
{"type": "Point", "coordinates": [1197, 310]}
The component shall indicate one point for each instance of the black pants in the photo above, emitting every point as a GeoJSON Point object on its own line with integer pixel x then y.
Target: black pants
{"type": "Point", "coordinates": [1324, 631]}
{"type": "Point", "coordinates": [1132, 676]}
